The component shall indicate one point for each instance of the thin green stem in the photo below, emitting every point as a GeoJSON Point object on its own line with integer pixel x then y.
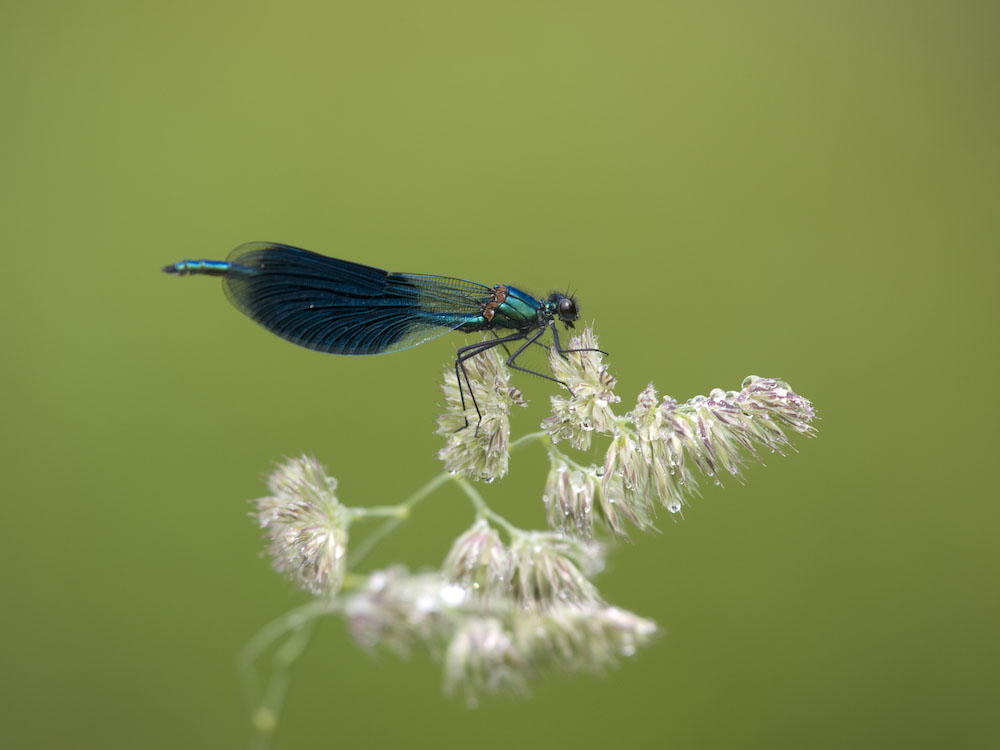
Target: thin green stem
{"type": "Point", "coordinates": [473, 494]}
{"type": "Point", "coordinates": [626, 424]}
{"type": "Point", "coordinates": [399, 514]}
{"type": "Point", "coordinates": [275, 629]}
{"type": "Point", "coordinates": [426, 490]}
{"type": "Point", "coordinates": [558, 455]}
{"type": "Point", "coordinates": [531, 437]}
{"type": "Point", "coordinates": [266, 703]}
{"type": "Point", "coordinates": [483, 510]}
{"type": "Point", "coordinates": [265, 717]}
{"type": "Point", "coordinates": [380, 511]}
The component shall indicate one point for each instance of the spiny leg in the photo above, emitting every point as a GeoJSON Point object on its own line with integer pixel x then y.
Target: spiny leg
{"type": "Point", "coordinates": [555, 336]}
{"type": "Point", "coordinates": [533, 339]}
{"type": "Point", "coordinates": [497, 336]}
{"type": "Point", "coordinates": [546, 347]}
{"type": "Point", "coordinates": [469, 351]}
{"type": "Point", "coordinates": [558, 348]}
{"type": "Point", "coordinates": [460, 358]}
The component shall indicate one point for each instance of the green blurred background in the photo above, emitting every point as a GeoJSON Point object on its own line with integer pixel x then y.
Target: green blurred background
{"type": "Point", "coordinates": [792, 189]}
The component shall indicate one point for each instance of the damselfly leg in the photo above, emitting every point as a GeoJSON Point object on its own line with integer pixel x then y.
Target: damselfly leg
{"type": "Point", "coordinates": [529, 338]}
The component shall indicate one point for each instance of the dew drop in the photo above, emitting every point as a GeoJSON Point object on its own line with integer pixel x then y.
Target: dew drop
{"type": "Point", "coordinates": [453, 595]}
{"type": "Point", "coordinates": [674, 506]}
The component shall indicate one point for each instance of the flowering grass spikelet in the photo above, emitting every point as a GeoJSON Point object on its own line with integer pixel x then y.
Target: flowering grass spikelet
{"type": "Point", "coordinates": [661, 446]}
{"type": "Point", "coordinates": [478, 448]}
{"type": "Point", "coordinates": [616, 506]}
{"type": "Point", "coordinates": [479, 561]}
{"type": "Point", "coordinates": [398, 610]}
{"type": "Point", "coordinates": [569, 499]}
{"type": "Point", "coordinates": [306, 525]}
{"type": "Point", "coordinates": [624, 482]}
{"type": "Point", "coordinates": [712, 434]}
{"type": "Point", "coordinates": [660, 442]}
{"type": "Point", "coordinates": [592, 388]}
{"type": "Point", "coordinates": [494, 645]}
{"type": "Point", "coordinates": [483, 658]}
{"type": "Point", "coordinates": [582, 639]}
{"type": "Point", "coordinates": [548, 570]}
{"type": "Point", "coordinates": [775, 402]}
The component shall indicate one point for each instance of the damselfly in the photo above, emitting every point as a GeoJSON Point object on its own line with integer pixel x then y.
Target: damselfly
{"type": "Point", "coordinates": [340, 307]}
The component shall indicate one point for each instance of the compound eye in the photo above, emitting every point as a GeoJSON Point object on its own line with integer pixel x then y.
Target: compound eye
{"type": "Point", "coordinates": [567, 309]}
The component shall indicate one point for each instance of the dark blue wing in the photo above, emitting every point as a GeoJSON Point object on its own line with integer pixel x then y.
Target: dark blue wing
{"type": "Point", "coordinates": [340, 307]}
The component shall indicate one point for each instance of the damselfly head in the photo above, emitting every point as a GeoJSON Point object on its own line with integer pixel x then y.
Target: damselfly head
{"type": "Point", "coordinates": [564, 307]}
